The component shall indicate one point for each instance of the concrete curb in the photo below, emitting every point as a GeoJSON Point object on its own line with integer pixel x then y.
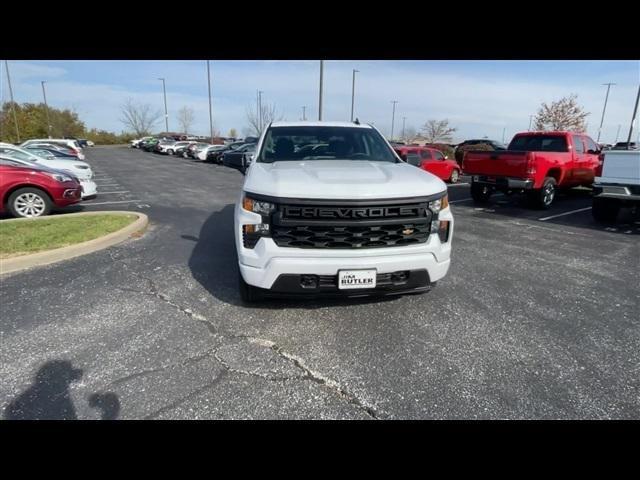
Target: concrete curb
{"type": "Point", "coordinates": [11, 265]}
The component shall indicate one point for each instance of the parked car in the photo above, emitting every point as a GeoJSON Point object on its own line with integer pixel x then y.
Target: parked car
{"type": "Point", "coordinates": [48, 152]}
{"type": "Point", "coordinates": [171, 148]}
{"type": "Point", "coordinates": [81, 141]}
{"type": "Point", "coordinates": [477, 141]}
{"type": "Point", "coordinates": [193, 149]}
{"type": "Point", "coordinates": [136, 143]}
{"type": "Point", "coordinates": [204, 153]}
{"type": "Point", "coordinates": [179, 150]}
{"type": "Point", "coordinates": [618, 185]}
{"type": "Point", "coordinates": [33, 191]}
{"type": "Point", "coordinates": [149, 145]}
{"type": "Point", "coordinates": [625, 146]}
{"type": "Point", "coordinates": [354, 221]}
{"type": "Point", "coordinates": [163, 145]}
{"type": "Point", "coordinates": [90, 143]}
{"type": "Point", "coordinates": [536, 163]}
{"type": "Point", "coordinates": [79, 169]}
{"type": "Point", "coordinates": [432, 161]}
{"type": "Point", "coordinates": [71, 144]}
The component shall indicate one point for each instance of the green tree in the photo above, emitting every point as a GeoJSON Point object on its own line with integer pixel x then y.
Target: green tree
{"type": "Point", "coordinates": [32, 122]}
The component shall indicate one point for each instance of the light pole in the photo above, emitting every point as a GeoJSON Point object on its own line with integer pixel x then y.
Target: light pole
{"type": "Point", "coordinates": [604, 109]}
{"type": "Point", "coordinates": [46, 106]}
{"type": "Point", "coordinates": [393, 117]}
{"type": "Point", "coordinates": [210, 111]}
{"type": "Point", "coordinates": [320, 94]}
{"type": "Point", "coordinates": [617, 134]}
{"type": "Point", "coordinates": [166, 115]}
{"type": "Point", "coordinates": [530, 119]}
{"type": "Point", "coordinates": [633, 119]}
{"type": "Point", "coordinates": [13, 103]}
{"type": "Point", "coordinates": [353, 91]}
{"type": "Point", "coordinates": [260, 92]}
{"type": "Point", "coordinates": [403, 120]}
{"type": "Point", "coordinates": [304, 116]}
{"type": "Point", "coordinates": [503, 130]}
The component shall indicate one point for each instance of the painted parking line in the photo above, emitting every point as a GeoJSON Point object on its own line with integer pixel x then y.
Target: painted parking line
{"type": "Point", "coordinates": [565, 213]}
{"type": "Point", "coordinates": [467, 199]}
{"type": "Point", "coordinates": [88, 204]}
{"type": "Point", "coordinates": [457, 185]}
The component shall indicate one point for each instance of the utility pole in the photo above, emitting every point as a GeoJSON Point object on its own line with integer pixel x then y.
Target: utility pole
{"type": "Point", "coordinates": [46, 106]}
{"type": "Point", "coordinates": [393, 116]}
{"type": "Point", "coordinates": [633, 119]}
{"type": "Point", "coordinates": [210, 111]}
{"type": "Point", "coordinates": [604, 109]}
{"type": "Point", "coordinates": [617, 134]}
{"type": "Point", "coordinates": [320, 96]}
{"type": "Point", "coordinates": [353, 91]}
{"type": "Point", "coordinates": [260, 92]}
{"type": "Point", "coordinates": [403, 120]}
{"type": "Point", "coordinates": [304, 116]}
{"type": "Point", "coordinates": [13, 103]}
{"type": "Point", "coordinates": [530, 119]}
{"type": "Point", "coordinates": [166, 114]}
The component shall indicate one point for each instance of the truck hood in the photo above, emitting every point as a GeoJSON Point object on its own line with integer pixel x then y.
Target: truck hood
{"type": "Point", "coordinates": [341, 179]}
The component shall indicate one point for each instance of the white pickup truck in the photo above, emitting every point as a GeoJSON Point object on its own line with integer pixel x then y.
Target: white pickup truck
{"type": "Point", "coordinates": [618, 186]}
{"type": "Point", "coordinates": [328, 208]}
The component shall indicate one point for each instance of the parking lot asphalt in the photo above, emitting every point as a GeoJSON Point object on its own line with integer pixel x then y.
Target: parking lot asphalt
{"type": "Point", "coordinates": [537, 318]}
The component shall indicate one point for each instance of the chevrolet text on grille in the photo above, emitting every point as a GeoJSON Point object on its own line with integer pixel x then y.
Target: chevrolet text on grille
{"type": "Point", "coordinates": [339, 212]}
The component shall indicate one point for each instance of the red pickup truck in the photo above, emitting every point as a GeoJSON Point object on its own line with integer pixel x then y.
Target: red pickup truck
{"type": "Point", "coordinates": [537, 163]}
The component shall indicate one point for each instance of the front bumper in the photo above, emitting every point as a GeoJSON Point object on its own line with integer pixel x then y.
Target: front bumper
{"type": "Point", "coordinates": [89, 189]}
{"type": "Point", "coordinates": [266, 262]}
{"type": "Point", "coordinates": [504, 183]}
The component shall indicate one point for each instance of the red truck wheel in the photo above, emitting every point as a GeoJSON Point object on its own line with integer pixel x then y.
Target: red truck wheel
{"type": "Point", "coordinates": [543, 198]}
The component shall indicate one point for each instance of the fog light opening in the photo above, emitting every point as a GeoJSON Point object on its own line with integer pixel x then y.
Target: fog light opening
{"type": "Point", "coordinates": [309, 281]}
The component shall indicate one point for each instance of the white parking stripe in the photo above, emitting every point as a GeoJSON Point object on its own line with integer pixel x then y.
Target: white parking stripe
{"type": "Point", "coordinates": [457, 185]}
{"type": "Point", "coordinates": [109, 203]}
{"type": "Point", "coordinates": [565, 213]}
{"type": "Point", "coordinates": [467, 199]}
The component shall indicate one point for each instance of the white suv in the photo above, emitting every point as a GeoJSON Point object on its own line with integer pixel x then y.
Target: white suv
{"type": "Point", "coordinates": [329, 208]}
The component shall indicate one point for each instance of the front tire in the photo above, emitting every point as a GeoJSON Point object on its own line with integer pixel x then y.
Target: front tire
{"type": "Point", "coordinates": [29, 203]}
{"type": "Point", "coordinates": [543, 198]}
{"type": "Point", "coordinates": [605, 210]}
{"type": "Point", "coordinates": [455, 176]}
{"type": "Point", "coordinates": [480, 193]}
{"type": "Point", "coordinates": [169, 152]}
{"type": "Point", "coordinates": [248, 293]}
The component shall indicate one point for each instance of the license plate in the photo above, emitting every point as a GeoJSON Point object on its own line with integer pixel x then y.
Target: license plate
{"type": "Point", "coordinates": [354, 279]}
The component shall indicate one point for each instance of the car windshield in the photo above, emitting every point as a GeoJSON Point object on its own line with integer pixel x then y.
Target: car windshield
{"type": "Point", "coordinates": [539, 143]}
{"type": "Point", "coordinates": [18, 154]}
{"type": "Point", "coordinates": [324, 143]}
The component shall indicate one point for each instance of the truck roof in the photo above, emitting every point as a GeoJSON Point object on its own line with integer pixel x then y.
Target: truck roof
{"type": "Point", "coordinates": [307, 123]}
{"type": "Point", "coordinates": [551, 132]}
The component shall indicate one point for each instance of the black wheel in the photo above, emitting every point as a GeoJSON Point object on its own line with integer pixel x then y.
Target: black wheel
{"type": "Point", "coordinates": [605, 210]}
{"type": "Point", "coordinates": [169, 152]}
{"type": "Point", "coordinates": [543, 198]}
{"type": "Point", "coordinates": [29, 203]}
{"type": "Point", "coordinates": [248, 293]}
{"type": "Point", "coordinates": [480, 193]}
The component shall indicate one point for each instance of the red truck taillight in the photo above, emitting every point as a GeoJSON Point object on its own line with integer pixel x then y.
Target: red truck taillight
{"type": "Point", "coordinates": [531, 164]}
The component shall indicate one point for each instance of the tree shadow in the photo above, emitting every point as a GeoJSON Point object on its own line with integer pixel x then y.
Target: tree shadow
{"type": "Point", "coordinates": [214, 264]}
{"type": "Point", "coordinates": [49, 397]}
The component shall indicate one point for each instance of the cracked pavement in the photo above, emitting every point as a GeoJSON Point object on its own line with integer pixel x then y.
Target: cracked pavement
{"type": "Point", "coordinates": [533, 321]}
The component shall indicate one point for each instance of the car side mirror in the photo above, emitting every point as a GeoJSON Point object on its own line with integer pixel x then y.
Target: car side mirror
{"type": "Point", "coordinates": [237, 162]}
{"type": "Point", "coordinates": [594, 152]}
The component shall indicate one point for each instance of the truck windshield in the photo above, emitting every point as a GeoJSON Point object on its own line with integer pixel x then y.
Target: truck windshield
{"type": "Point", "coordinates": [539, 143]}
{"type": "Point", "coordinates": [324, 143]}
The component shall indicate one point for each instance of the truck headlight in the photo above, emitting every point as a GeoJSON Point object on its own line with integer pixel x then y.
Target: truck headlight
{"type": "Point", "coordinates": [439, 204]}
{"type": "Point", "coordinates": [256, 206]}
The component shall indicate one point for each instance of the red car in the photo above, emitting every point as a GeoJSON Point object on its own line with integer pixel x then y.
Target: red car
{"type": "Point", "coordinates": [431, 160]}
{"type": "Point", "coordinates": [536, 163]}
{"type": "Point", "coordinates": [33, 191]}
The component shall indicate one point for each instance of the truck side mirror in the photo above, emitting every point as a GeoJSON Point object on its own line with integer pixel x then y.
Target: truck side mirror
{"type": "Point", "coordinates": [236, 162]}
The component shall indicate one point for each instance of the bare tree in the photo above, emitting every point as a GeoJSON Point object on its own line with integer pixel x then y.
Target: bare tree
{"type": "Point", "coordinates": [564, 114]}
{"type": "Point", "coordinates": [268, 115]}
{"type": "Point", "coordinates": [185, 119]}
{"type": "Point", "coordinates": [438, 131]}
{"type": "Point", "coordinates": [139, 117]}
{"type": "Point", "coordinates": [409, 134]}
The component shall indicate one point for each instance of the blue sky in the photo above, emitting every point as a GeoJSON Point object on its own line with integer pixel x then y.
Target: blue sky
{"type": "Point", "coordinates": [478, 97]}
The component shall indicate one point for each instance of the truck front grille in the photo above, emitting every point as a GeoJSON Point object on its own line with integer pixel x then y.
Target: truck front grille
{"type": "Point", "coordinates": [373, 226]}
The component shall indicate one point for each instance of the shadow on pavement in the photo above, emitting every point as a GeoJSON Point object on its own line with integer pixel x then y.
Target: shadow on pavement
{"type": "Point", "coordinates": [49, 397]}
{"type": "Point", "coordinates": [214, 264]}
